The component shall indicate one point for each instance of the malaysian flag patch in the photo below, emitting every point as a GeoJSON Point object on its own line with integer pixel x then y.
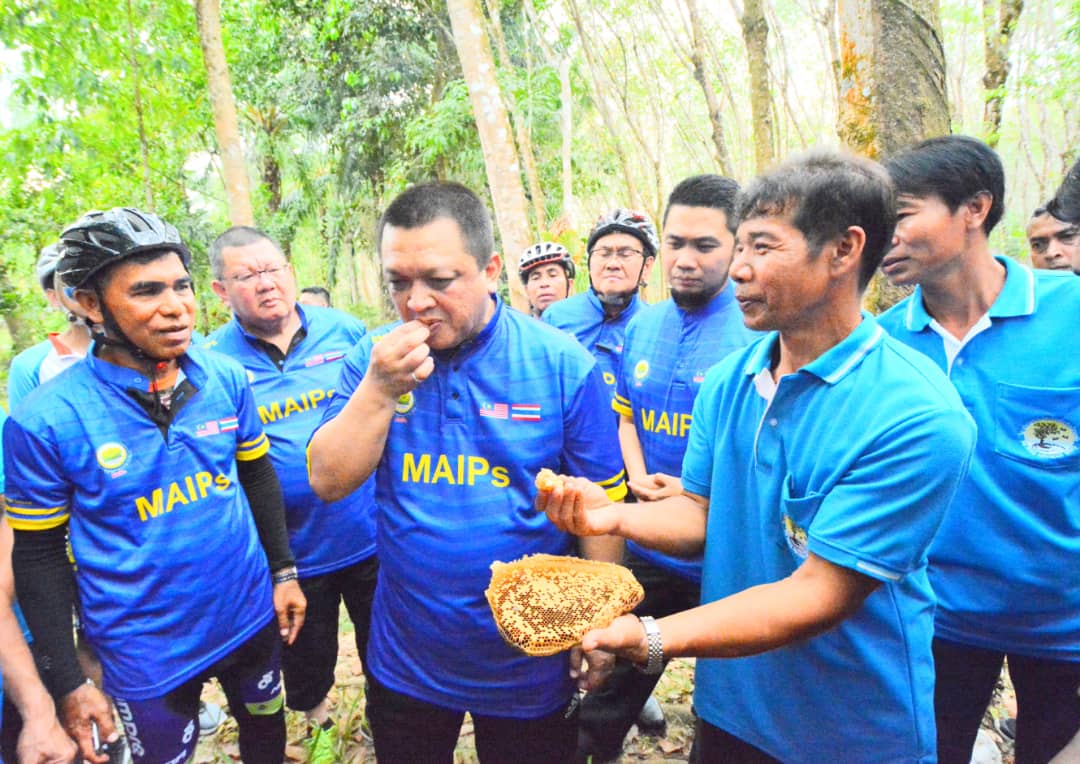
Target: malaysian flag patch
{"type": "Point", "coordinates": [495, 410]}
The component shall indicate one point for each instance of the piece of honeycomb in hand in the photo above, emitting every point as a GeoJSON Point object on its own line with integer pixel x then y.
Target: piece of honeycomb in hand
{"type": "Point", "coordinates": [544, 604]}
{"type": "Point", "coordinates": [547, 480]}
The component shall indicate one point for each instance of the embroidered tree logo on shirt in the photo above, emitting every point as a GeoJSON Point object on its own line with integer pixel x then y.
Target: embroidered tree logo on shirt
{"type": "Point", "coordinates": [1049, 438]}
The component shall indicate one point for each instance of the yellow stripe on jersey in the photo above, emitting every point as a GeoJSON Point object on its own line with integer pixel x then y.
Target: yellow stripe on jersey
{"type": "Point", "coordinates": [616, 492]}
{"type": "Point", "coordinates": [36, 519]}
{"type": "Point", "coordinates": [251, 450]}
{"type": "Point", "coordinates": [28, 510]}
{"type": "Point", "coordinates": [615, 487]}
{"type": "Point", "coordinates": [622, 406]}
{"type": "Point", "coordinates": [612, 480]}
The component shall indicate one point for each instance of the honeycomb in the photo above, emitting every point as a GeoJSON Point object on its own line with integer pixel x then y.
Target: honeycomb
{"type": "Point", "coordinates": [543, 604]}
{"type": "Point", "coordinates": [546, 480]}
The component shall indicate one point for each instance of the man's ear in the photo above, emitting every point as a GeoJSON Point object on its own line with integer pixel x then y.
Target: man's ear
{"type": "Point", "coordinates": [646, 270]}
{"type": "Point", "coordinates": [492, 270]}
{"type": "Point", "coordinates": [847, 251]}
{"type": "Point", "coordinates": [977, 208]}
{"type": "Point", "coordinates": [219, 289]}
{"type": "Point", "coordinates": [88, 301]}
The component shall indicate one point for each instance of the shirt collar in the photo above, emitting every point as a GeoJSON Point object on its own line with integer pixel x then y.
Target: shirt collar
{"type": "Point", "coordinates": [123, 377]}
{"type": "Point", "coordinates": [832, 365]}
{"type": "Point", "coordinates": [1016, 298]}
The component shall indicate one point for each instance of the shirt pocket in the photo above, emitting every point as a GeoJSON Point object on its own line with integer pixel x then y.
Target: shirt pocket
{"type": "Point", "coordinates": [1038, 425]}
{"type": "Point", "coordinates": [796, 515]}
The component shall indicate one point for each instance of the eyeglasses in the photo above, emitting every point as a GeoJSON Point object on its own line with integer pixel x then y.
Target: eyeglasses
{"type": "Point", "coordinates": [252, 277]}
{"type": "Point", "coordinates": [622, 253]}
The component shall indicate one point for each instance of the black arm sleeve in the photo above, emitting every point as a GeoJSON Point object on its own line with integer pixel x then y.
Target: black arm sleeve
{"type": "Point", "coordinates": [45, 584]}
{"type": "Point", "coordinates": [263, 491]}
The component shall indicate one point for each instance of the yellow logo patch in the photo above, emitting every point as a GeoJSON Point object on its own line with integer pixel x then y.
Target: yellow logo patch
{"type": "Point", "coordinates": [405, 403]}
{"type": "Point", "coordinates": [641, 370]}
{"type": "Point", "coordinates": [112, 456]}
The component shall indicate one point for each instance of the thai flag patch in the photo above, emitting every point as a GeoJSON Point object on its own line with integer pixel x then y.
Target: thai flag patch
{"type": "Point", "coordinates": [525, 412]}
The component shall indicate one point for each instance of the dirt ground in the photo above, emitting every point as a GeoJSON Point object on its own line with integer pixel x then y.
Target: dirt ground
{"type": "Point", "coordinates": [674, 693]}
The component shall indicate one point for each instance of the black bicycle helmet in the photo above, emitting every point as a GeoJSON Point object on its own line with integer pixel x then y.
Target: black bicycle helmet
{"type": "Point", "coordinates": [544, 253]}
{"type": "Point", "coordinates": [101, 239]}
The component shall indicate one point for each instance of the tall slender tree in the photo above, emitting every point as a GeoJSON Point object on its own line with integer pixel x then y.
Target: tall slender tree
{"type": "Point", "coordinates": [234, 168]}
{"type": "Point", "coordinates": [999, 23]}
{"type": "Point", "coordinates": [496, 138]}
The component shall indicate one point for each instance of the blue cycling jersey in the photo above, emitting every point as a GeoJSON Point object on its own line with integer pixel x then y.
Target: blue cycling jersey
{"type": "Point", "coordinates": [171, 576]}
{"type": "Point", "coordinates": [454, 491]}
{"type": "Point", "coordinates": [290, 399]}
{"type": "Point", "coordinates": [583, 316]}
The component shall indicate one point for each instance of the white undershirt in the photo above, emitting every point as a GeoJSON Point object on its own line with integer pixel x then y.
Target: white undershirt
{"type": "Point", "coordinates": [952, 345]}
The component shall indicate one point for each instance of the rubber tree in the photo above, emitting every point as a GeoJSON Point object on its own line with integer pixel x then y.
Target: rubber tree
{"type": "Point", "coordinates": [496, 138]}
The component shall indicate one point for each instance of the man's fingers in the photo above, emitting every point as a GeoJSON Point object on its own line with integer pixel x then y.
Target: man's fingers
{"type": "Point", "coordinates": [297, 623]}
{"type": "Point", "coordinates": [426, 368]}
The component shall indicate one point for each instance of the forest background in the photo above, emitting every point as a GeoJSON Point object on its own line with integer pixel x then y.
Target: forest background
{"type": "Point", "coordinates": [305, 117]}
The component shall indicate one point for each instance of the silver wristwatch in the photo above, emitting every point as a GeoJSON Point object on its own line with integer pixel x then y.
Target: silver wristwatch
{"type": "Point", "coordinates": [655, 662]}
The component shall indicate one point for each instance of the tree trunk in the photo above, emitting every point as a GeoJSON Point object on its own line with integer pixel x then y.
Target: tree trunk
{"type": "Point", "coordinates": [892, 88]}
{"type": "Point", "coordinates": [566, 123]}
{"type": "Point", "coordinates": [493, 126]}
{"type": "Point", "coordinates": [136, 87]}
{"type": "Point", "coordinates": [697, 59]}
{"type": "Point", "coordinates": [999, 23]}
{"type": "Point", "coordinates": [892, 91]}
{"type": "Point", "coordinates": [521, 124]}
{"type": "Point", "coordinates": [755, 31]}
{"type": "Point", "coordinates": [237, 187]}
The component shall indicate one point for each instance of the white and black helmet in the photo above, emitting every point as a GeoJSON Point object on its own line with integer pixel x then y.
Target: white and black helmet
{"type": "Point", "coordinates": [46, 265]}
{"type": "Point", "coordinates": [544, 253]}
{"type": "Point", "coordinates": [622, 220]}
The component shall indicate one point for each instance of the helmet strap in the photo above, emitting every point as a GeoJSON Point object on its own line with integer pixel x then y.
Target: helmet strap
{"type": "Point", "coordinates": [619, 300]}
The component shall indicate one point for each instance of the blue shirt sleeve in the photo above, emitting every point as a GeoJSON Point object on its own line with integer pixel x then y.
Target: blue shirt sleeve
{"type": "Point", "coordinates": [591, 445]}
{"type": "Point", "coordinates": [251, 440]}
{"type": "Point", "coordinates": [37, 493]}
{"type": "Point", "coordinates": [23, 373]}
{"type": "Point", "coordinates": [3, 419]}
{"type": "Point", "coordinates": [697, 464]}
{"type": "Point", "coordinates": [880, 518]}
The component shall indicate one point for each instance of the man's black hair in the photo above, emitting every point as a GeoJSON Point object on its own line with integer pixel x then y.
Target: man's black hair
{"type": "Point", "coordinates": [427, 202]}
{"type": "Point", "coordinates": [237, 236]}
{"type": "Point", "coordinates": [713, 191]}
{"type": "Point", "coordinates": [322, 292]}
{"type": "Point", "coordinates": [822, 194]}
{"type": "Point", "coordinates": [955, 169]}
{"type": "Point", "coordinates": [1065, 205]}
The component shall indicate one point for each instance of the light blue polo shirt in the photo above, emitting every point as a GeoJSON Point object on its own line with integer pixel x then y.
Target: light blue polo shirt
{"type": "Point", "coordinates": [24, 372]}
{"type": "Point", "coordinates": [290, 401]}
{"type": "Point", "coordinates": [171, 575]}
{"type": "Point", "coordinates": [454, 491]}
{"type": "Point", "coordinates": [665, 356]}
{"type": "Point", "coordinates": [583, 316]}
{"type": "Point", "coordinates": [1006, 563]}
{"type": "Point", "coordinates": [855, 458]}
